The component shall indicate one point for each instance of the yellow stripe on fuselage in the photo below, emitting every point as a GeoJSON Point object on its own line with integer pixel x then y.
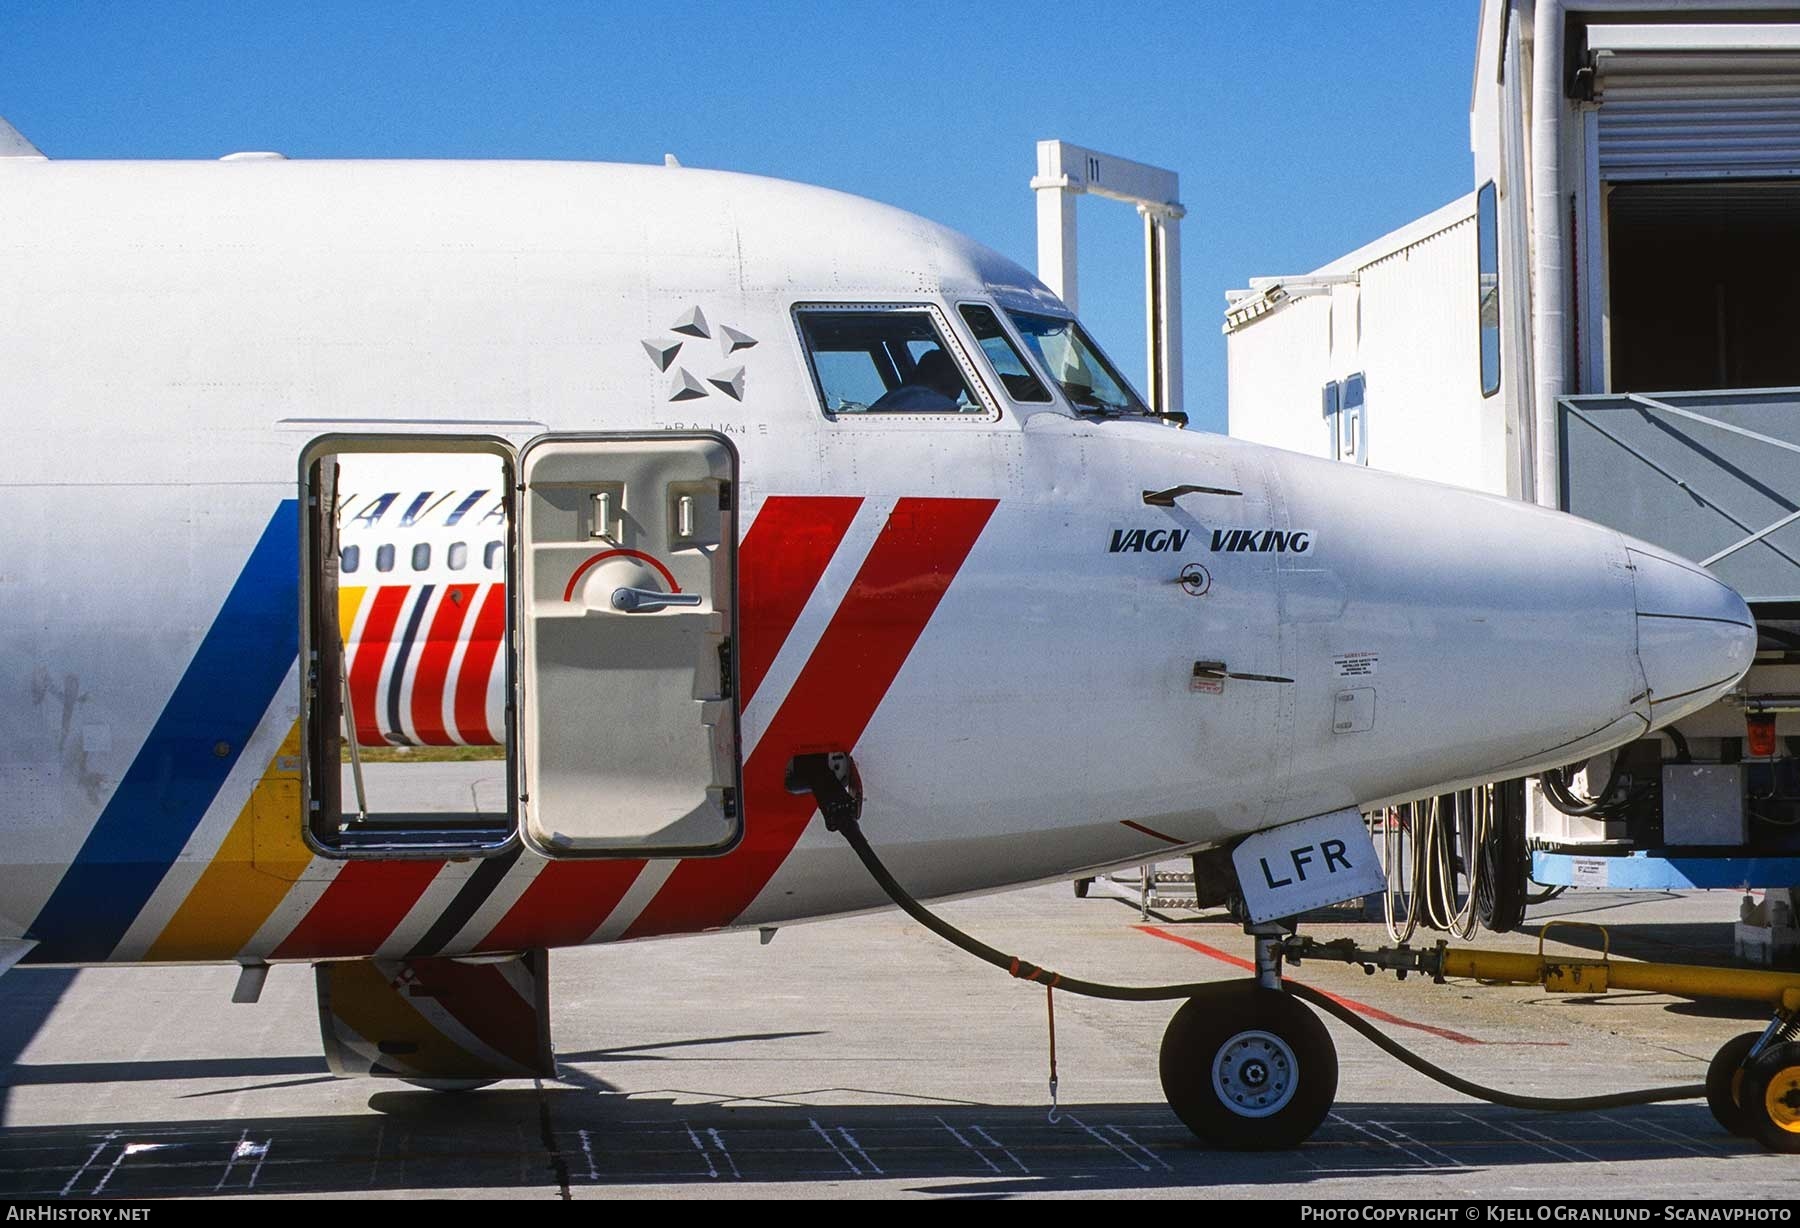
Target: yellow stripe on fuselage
{"type": "Point", "coordinates": [349, 602]}
{"type": "Point", "coordinates": [260, 859]}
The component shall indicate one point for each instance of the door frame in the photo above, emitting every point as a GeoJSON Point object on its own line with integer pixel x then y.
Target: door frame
{"type": "Point", "coordinates": [366, 442]}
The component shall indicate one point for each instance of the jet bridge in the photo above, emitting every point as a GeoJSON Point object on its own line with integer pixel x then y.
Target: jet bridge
{"type": "Point", "coordinates": [1713, 801]}
{"type": "Point", "coordinates": [1712, 476]}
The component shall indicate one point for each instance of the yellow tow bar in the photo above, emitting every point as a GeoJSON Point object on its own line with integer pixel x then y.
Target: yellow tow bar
{"type": "Point", "coordinates": [1753, 1083]}
{"type": "Point", "coordinates": [1560, 974]}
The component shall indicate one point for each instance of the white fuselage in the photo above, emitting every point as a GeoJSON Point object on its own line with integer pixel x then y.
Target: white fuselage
{"type": "Point", "coordinates": [178, 335]}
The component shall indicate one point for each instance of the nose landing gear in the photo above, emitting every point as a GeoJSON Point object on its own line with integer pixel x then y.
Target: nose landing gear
{"type": "Point", "coordinates": [1244, 1065]}
{"type": "Point", "coordinates": [1248, 1068]}
{"type": "Point", "coordinates": [1753, 1085]}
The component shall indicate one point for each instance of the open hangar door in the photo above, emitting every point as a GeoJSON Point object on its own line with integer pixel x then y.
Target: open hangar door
{"type": "Point", "coordinates": [1701, 293]}
{"type": "Point", "coordinates": [1693, 150]}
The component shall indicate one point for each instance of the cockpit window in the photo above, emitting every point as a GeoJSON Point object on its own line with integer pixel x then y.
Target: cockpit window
{"type": "Point", "coordinates": [1008, 363]}
{"type": "Point", "coordinates": [893, 361]}
{"type": "Point", "coordinates": [1086, 378]}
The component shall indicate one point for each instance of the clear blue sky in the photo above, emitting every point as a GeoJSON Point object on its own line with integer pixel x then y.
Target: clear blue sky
{"type": "Point", "coordinates": [1300, 130]}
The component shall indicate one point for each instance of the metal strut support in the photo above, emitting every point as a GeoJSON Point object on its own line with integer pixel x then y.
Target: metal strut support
{"type": "Point", "coordinates": [1782, 1027]}
{"type": "Point", "coordinates": [1271, 940]}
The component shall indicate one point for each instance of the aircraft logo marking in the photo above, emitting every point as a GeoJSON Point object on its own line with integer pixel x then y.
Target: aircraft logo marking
{"type": "Point", "coordinates": [684, 385]}
{"type": "Point", "coordinates": [1261, 541]}
{"type": "Point", "coordinates": [1152, 541]}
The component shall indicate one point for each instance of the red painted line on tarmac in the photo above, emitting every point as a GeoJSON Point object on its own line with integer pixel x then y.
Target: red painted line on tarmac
{"type": "Point", "coordinates": [1361, 1008]}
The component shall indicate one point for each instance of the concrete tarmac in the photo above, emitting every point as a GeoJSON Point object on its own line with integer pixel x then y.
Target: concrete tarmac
{"type": "Point", "coordinates": [866, 1058]}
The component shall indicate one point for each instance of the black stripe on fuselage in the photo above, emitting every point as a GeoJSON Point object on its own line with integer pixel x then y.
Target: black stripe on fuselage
{"type": "Point", "coordinates": [471, 896]}
{"type": "Point", "coordinates": [398, 680]}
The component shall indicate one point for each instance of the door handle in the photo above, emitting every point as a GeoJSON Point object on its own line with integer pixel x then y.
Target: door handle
{"type": "Point", "coordinates": [644, 600]}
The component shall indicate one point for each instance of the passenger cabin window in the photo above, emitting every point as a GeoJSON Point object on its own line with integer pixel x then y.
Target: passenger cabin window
{"type": "Point", "coordinates": [878, 362]}
{"type": "Point", "coordinates": [1091, 383]}
{"type": "Point", "coordinates": [1015, 373]}
{"type": "Point", "coordinates": [421, 556]}
{"type": "Point", "coordinates": [459, 555]}
{"type": "Point", "coordinates": [384, 558]}
{"type": "Point", "coordinates": [1487, 251]}
{"type": "Point", "coordinates": [349, 559]}
{"type": "Point", "coordinates": [490, 556]}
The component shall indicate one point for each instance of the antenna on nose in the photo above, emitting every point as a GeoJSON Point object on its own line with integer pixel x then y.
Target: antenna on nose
{"type": "Point", "coordinates": [1166, 498]}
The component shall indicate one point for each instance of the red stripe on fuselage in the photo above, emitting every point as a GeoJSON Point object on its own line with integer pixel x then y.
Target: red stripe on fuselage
{"type": "Point", "coordinates": [779, 565]}
{"type": "Point", "coordinates": [434, 664]}
{"type": "Point", "coordinates": [359, 910]}
{"type": "Point", "coordinates": [477, 664]}
{"type": "Point", "coordinates": [486, 1003]}
{"type": "Point", "coordinates": [894, 595]}
{"type": "Point", "coordinates": [564, 905]}
{"type": "Point", "coordinates": [371, 654]}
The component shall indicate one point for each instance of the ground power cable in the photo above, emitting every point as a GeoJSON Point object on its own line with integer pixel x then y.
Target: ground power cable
{"type": "Point", "coordinates": [849, 827]}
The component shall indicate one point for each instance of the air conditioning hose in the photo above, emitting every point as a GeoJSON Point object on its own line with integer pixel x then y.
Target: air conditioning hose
{"type": "Point", "coordinates": [849, 826]}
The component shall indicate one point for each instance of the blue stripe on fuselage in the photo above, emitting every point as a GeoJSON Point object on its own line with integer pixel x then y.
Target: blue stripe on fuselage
{"type": "Point", "coordinates": [202, 731]}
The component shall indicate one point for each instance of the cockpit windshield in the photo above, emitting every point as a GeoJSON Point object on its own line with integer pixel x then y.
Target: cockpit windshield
{"type": "Point", "coordinates": [1086, 378]}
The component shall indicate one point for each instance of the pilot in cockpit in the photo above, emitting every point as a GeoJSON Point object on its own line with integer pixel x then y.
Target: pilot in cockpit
{"type": "Point", "coordinates": [935, 386]}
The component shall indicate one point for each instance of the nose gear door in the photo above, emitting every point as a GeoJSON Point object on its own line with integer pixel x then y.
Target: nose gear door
{"type": "Point", "coordinates": [627, 610]}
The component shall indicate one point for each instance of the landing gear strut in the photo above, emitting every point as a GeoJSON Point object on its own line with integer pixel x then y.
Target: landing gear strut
{"type": "Point", "coordinates": [1244, 1065]}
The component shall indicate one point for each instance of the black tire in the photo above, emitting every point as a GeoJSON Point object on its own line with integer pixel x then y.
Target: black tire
{"type": "Point", "coordinates": [1248, 1069]}
{"type": "Point", "coordinates": [1770, 1097]}
{"type": "Point", "coordinates": [1724, 1080]}
{"type": "Point", "coordinates": [1081, 887]}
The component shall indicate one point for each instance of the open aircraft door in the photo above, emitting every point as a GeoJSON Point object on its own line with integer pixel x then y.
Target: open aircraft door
{"type": "Point", "coordinates": [626, 614]}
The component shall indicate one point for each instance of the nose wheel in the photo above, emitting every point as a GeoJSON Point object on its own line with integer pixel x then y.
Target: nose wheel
{"type": "Point", "coordinates": [1770, 1096]}
{"type": "Point", "coordinates": [1753, 1085]}
{"type": "Point", "coordinates": [1725, 1085]}
{"type": "Point", "coordinates": [1248, 1068]}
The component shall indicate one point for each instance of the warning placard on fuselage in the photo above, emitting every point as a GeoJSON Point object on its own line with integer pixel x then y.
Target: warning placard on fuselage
{"type": "Point", "coordinates": [1301, 866]}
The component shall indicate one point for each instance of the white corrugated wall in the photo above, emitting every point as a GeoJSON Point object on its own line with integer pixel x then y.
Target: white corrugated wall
{"type": "Point", "coordinates": [1409, 325]}
{"type": "Point", "coordinates": [1275, 370]}
{"type": "Point", "coordinates": [1419, 350]}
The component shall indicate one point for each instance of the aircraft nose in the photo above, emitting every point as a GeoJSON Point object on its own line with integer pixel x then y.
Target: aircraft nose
{"type": "Point", "coordinates": [1696, 636]}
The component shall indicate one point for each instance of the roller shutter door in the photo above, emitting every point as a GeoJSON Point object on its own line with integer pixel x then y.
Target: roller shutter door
{"type": "Point", "coordinates": [1697, 102]}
